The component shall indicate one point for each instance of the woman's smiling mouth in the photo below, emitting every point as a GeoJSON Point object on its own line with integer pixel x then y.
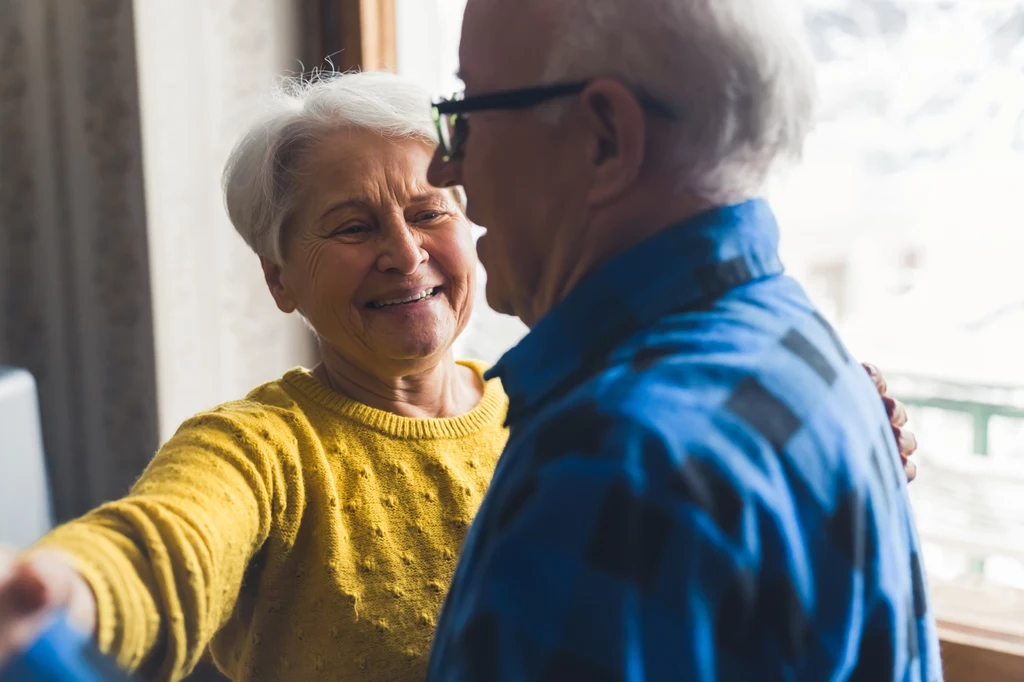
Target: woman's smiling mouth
{"type": "Point", "coordinates": [415, 297]}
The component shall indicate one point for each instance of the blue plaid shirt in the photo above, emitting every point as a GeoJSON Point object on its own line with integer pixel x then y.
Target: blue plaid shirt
{"type": "Point", "coordinates": [700, 484]}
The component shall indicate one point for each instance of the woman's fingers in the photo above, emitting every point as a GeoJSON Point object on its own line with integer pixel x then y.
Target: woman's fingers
{"type": "Point", "coordinates": [897, 412]}
{"type": "Point", "coordinates": [876, 376]}
{"type": "Point", "coordinates": [910, 469]}
{"type": "Point", "coordinates": [907, 442]}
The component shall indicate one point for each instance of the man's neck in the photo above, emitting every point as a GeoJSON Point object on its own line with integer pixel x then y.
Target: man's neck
{"type": "Point", "coordinates": [422, 391]}
{"type": "Point", "coordinates": [604, 235]}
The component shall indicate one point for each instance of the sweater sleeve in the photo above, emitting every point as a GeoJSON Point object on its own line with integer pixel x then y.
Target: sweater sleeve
{"type": "Point", "coordinates": [166, 562]}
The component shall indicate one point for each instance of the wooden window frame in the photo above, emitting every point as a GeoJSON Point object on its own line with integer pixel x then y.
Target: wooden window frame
{"type": "Point", "coordinates": [350, 35]}
{"type": "Point", "coordinates": [981, 630]}
{"type": "Point", "coordinates": [975, 655]}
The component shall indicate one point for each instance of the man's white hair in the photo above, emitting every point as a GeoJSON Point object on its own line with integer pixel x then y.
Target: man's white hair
{"type": "Point", "coordinates": [738, 72]}
{"type": "Point", "coordinates": [261, 178]}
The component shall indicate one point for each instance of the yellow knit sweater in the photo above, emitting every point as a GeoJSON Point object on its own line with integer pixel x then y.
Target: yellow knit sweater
{"type": "Point", "coordinates": [300, 535]}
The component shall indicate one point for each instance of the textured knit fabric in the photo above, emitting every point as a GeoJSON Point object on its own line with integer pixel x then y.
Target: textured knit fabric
{"type": "Point", "coordinates": [311, 537]}
{"type": "Point", "coordinates": [700, 484]}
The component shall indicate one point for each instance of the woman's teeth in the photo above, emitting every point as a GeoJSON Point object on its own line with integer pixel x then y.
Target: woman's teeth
{"type": "Point", "coordinates": [426, 293]}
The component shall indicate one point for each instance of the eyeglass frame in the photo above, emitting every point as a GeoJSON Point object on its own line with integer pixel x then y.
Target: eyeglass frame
{"type": "Point", "coordinates": [513, 100]}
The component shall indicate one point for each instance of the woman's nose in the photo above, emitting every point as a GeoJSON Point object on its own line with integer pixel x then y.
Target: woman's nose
{"type": "Point", "coordinates": [403, 251]}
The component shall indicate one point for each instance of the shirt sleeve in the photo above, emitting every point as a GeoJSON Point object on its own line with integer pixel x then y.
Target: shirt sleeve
{"type": "Point", "coordinates": [166, 562]}
{"type": "Point", "coordinates": [619, 557]}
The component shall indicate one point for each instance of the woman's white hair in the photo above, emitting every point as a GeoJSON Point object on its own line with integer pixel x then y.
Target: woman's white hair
{"type": "Point", "coordinates": [261, 179]}
{"type": "Point", "coordinates": [738, 72]}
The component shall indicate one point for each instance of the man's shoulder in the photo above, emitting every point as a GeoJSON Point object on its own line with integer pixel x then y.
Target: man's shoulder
{"type": "Point", "coordinates": [729, 369]}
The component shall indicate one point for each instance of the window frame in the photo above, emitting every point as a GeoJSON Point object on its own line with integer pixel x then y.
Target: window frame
{"type": "Point", "coordinates": [344, 35]}
{"type": "Point", "coordinates": [970, 654]}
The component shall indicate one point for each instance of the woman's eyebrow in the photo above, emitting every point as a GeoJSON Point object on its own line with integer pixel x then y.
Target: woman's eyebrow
{"type": "Point", "coordinates": [426, 196]}
{"type": "Point", "coordinates": [348, 203]}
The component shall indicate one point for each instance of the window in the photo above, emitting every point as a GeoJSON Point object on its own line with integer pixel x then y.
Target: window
{"type": "Point", "coordinates": [905, 224]}
{"type": "Point", "coordinates": [912, 172]}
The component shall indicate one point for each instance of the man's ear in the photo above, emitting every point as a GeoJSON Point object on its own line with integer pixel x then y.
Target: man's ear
{"type": "Point", "coordinates": [272, 274]}
{"type": "Point", "coordinates": [617, 127]}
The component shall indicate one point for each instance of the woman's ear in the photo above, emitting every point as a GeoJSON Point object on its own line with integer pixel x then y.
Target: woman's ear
{"type": "Point", "coordinates": [273, 274]}
{"type": "Point", "coordinates": [617, 126]}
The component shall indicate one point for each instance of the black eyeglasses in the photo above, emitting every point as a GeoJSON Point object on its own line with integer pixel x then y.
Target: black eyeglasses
{"type": "Point", "coordinates": [453, 125]}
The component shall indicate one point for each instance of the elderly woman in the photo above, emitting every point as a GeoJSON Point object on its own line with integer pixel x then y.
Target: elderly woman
{"type": "Point", "coordinates": [309, 530]}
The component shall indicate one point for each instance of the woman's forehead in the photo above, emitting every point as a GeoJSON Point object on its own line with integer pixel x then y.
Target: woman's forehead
{"type": "Point", "coordinates": [367, 168]}
{"type": "Point", "coordinates": [368, 151]}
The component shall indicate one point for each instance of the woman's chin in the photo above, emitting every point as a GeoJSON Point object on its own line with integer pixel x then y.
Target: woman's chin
{"type": "Point", "coordinates": [412, 347]}
{"type": "Point", "coordinates": [424, 325]}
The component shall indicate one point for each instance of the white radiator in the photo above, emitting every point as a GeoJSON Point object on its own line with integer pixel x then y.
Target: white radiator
{"type": "Point", "coordinates": [25, 509]}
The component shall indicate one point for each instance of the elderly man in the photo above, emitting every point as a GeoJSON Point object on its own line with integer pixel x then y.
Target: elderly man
{"type": "Point", "coordinates": [700, 483]}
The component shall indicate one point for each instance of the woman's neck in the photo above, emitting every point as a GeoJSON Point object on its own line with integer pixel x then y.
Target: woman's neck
{"type": "Point", "coordinates": [444, 389]}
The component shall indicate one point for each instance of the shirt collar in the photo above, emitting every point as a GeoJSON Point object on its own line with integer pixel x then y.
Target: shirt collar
{"type": "Point", "coordinates": [696, 260]}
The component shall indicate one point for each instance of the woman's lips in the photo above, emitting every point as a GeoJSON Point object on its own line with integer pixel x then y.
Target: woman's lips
{"type": "Point", "coordinates": [413, 298]}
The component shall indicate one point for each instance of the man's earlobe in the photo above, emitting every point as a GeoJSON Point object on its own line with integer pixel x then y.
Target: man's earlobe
{"type": "Point", "coordinates": [273, 275]}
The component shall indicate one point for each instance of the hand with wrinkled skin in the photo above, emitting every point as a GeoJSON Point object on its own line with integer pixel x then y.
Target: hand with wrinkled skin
{"type": "Point", "coordinates": [32, 590]}
{"type": "Point", "coordinates": [905, 439]}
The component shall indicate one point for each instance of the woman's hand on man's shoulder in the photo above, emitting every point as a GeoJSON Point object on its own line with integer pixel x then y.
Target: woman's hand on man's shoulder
{"type": "Point", "coordinates": [905, 438]}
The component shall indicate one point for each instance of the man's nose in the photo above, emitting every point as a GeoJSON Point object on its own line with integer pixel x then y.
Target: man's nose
{"type": "Point", "coordinates": [443, 173]}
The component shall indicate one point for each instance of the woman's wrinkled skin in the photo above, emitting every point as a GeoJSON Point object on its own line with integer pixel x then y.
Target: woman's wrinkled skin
{"type": "Point", "coordinates": [370, 229]}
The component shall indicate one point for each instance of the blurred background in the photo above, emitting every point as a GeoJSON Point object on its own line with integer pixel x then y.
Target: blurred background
{"type": "Point", "coordinates": [132, 303]}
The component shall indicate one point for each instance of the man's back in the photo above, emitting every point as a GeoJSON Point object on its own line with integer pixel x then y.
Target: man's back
{"type": "Point", "coordinates": [701, 484]}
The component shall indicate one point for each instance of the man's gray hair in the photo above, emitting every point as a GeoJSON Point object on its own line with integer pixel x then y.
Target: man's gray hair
{"type": "Point", "coordinates": [739, 73]}
{"type": "Point", "coordinates": [261, 178]}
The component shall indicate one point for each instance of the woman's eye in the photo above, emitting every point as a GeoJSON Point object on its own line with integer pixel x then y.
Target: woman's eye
{"type": "Point", "coordinates": [349, 230]}
{"type": "Point", "coordinates": [428, 216]}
